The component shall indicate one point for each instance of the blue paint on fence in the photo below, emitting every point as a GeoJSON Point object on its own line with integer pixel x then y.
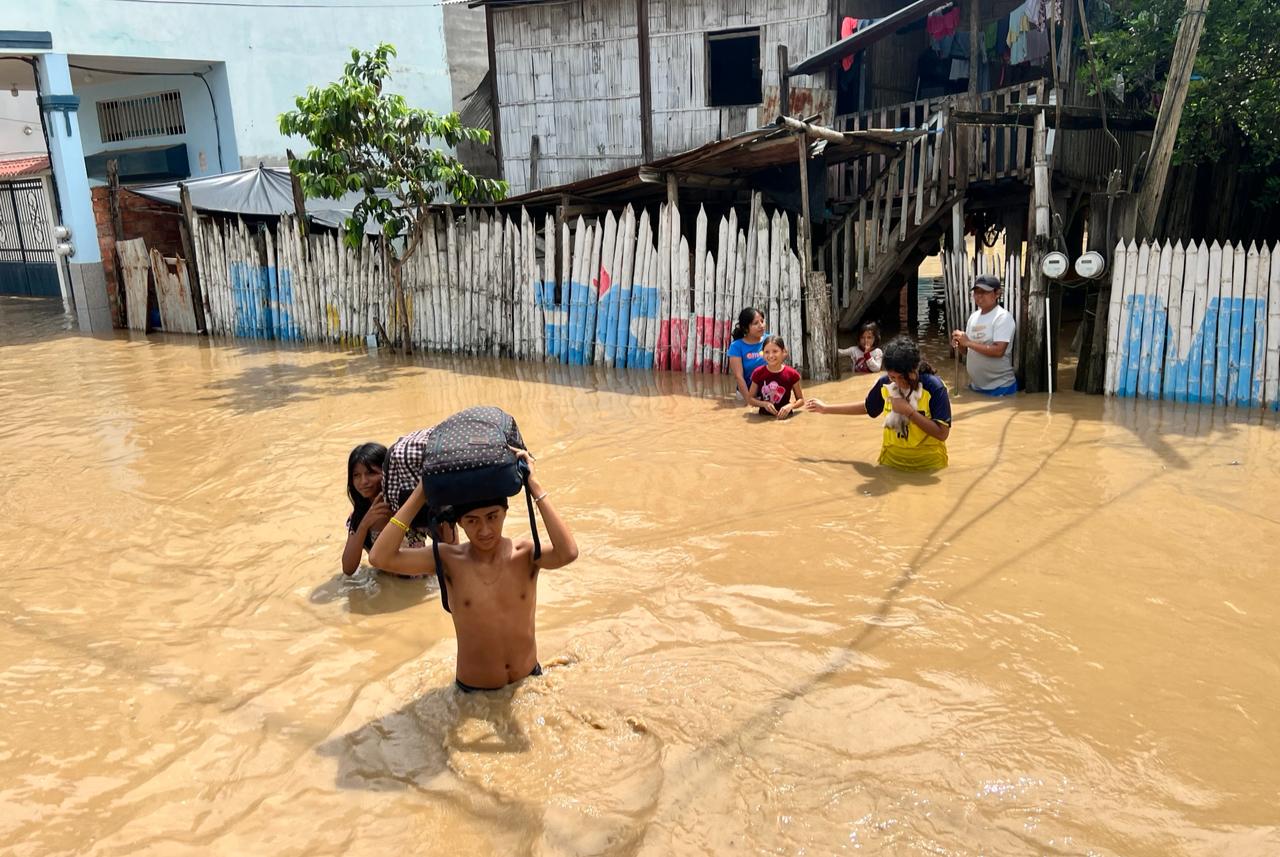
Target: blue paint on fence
{"type": "Point", "coordinates": [568, 338]}
{"type": "Point", "coordinates": [1218, 366]}
{"type": "Point", "coordinates": [1245, 352]}
{"type": "Point", "coordinates": [288, 324]}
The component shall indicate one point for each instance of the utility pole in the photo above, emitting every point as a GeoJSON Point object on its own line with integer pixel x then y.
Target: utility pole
{"type": "Point", "coordinates": [1166, 133]}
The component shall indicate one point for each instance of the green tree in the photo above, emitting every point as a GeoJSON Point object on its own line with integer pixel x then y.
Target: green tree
{"type": "Point", "coordinates": [371, 141]}
{"type": "Point", "coordinates": [1232, 111]}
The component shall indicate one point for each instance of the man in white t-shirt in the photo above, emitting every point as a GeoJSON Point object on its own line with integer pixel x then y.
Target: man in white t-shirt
{"type": "Point", "coordinates": [987, 340]}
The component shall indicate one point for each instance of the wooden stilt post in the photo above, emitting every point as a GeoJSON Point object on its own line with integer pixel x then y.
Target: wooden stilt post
{"type": "Point", "coordinates": [1036, 366]}
{"type": "Point", "coordinates": [806, 250]}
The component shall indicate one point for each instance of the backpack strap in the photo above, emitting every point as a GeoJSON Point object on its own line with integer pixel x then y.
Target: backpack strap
{"type": "Point", "coordinates": [444, 591]}
{"type": "Point", "coordinates": [533, 522]}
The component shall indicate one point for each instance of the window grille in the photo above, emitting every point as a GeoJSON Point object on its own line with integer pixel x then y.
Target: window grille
{"type": "Point", "coordinates": [156, 115]}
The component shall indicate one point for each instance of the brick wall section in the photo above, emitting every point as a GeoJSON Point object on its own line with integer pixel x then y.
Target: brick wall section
{"type": "Point", "coordinates": [153, 222]}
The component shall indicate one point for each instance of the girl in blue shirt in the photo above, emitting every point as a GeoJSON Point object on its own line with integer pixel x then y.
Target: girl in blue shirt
{"type": "Point", "coordinates": [745, 353]}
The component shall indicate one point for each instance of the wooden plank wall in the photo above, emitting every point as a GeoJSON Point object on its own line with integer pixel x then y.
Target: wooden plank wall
{"type": "Point", "coordinates": [678, 70]}
{"type": "Point", "coordinates": [638, 291]}
{"type": "Point", "coordinates": [567, 73]}
{"type": "Point", "coordinates": [1199, 323]}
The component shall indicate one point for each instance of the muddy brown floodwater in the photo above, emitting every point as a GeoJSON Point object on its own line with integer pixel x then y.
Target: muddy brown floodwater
{"type": "Point", "coordinates": [1063, 644]}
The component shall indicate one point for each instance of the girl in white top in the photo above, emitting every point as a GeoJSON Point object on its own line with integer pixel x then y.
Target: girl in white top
{"type": "Point", "coordinates": [866, 355]}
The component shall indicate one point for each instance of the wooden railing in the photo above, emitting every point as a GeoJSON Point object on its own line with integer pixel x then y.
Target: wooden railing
{"type": "Point", "coordinates": [993, 153]}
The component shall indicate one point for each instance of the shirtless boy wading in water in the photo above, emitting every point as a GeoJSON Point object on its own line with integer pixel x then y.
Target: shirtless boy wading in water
{"type": "Point", "coordinates": [492, 582]}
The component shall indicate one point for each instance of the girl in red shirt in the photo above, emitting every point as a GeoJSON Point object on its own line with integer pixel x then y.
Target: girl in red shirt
{"type": "Point", "coordinates": [775, 386]}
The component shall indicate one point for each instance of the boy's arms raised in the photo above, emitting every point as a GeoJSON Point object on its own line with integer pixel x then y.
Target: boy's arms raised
{"type": "Point", "coordinates": [561, 548]}
{"type": "Point", "coordinates": [389, 553]}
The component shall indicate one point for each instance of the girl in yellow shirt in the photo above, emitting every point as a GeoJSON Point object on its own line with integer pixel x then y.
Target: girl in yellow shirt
{"type": "Point", "coordinates": [915, 405]}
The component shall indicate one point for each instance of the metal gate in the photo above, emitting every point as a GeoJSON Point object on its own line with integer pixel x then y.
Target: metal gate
{"type": "Point", "coordinates": [28, 265]}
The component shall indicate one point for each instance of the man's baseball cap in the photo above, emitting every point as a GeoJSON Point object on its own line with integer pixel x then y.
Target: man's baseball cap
{"type": "Point", "coordinates": [987, 282]}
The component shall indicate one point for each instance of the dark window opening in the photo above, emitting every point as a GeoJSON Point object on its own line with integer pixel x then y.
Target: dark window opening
{"type": "Point", "coordinates": [733, 68]}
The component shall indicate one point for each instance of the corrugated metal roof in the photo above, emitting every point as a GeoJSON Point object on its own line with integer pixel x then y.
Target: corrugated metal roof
{"type": "Point", "coordinates": [477, 106]}
{"type": "Point", "coordinates": [14, 167]}
{"type": "Point", "coordinates": [726, 162]}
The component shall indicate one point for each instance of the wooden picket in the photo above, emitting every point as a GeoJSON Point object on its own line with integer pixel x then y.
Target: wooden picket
{"type": "Point", "coordinates": [1199, 323]}
{"type": "Point", "coordinates": [633, 290]}
{"type": "Point", "coordinates": [959, 273]}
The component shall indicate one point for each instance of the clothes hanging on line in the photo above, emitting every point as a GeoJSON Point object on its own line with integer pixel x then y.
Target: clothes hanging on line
{"type": "Point", "coordinates": [1042, 12]}
{"type": "Point", "coordinates": [1037, 46]}
{"type": "Point", "coordinates": [943, 22]}
{"type": "Point", "coordinates": [848, 27]}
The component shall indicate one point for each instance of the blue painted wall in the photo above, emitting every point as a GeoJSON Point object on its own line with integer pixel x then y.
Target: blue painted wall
{"type": "Point", "coordinates": [197, 111]}
{"type": "Point", "coordinates": [269, 55]}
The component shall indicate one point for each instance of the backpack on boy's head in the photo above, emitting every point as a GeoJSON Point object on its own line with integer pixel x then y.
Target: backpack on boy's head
{"type": "Point", "coordinates": [468, 458]}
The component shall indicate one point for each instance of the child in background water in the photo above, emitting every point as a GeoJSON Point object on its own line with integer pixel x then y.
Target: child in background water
{"type": "Point", "coordinates": [866, 355]}
{"type": "Point", "coordinates": [744, 351]}
{"type": "Point", "coordinates": [775, 386]}
{"type": "Point", "coordinates": [369, 511]}
{"type": "Point", "coordinates": [916, 406]}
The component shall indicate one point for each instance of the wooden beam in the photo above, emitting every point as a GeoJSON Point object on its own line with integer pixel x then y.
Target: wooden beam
{"type": "Point", "coordinates": [117, 228]}
{"type": "Point", "coordinates": [975, 36]}
{"type": "Point", "coordinates": [1066, 50]}
{"type": "Point", "coordinates": [493, 93]}
{"type": "Point", "coordinates": [187, 232]}
{"type": "Point", "coordinates": [784, 83]}
{"type": "Point", "coordinates": [299, 203]}
{"type": "Point", "coordinates": [646, 93]}
{"type": "Point", "coordinates": [806, 257]}
{"type": "Point", "coordinates": [1036, 366]}
{"type": "Point", "coordinates": [1071, 118]}
{"type": "Point", "coordinates": [535, 155]}
{"type": "Point", "coordinates": [1175, 96]}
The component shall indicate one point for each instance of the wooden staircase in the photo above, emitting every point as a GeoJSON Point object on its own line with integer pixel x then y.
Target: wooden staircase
{"type": "Point", "coordinates": [896, 206]}
{"type": "Point", "coordinates": [901, 208]}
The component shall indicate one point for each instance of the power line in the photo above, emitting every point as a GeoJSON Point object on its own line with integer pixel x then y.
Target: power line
{"type": "Point", "coordinates": [252, 5]}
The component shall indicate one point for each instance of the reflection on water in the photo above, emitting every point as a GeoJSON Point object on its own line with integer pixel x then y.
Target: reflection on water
{"type": "Point", "coordinates": [1063, 644]}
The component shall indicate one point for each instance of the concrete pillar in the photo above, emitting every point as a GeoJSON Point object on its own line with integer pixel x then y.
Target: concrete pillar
{"type": "Point", "coordinates": [87, 279]}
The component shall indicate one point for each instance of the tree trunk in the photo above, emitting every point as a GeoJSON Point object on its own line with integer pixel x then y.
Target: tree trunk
{"type": "Point", "coordinates": [397, 278]}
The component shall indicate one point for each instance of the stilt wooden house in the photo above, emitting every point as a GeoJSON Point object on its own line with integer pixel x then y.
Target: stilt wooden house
{"type": "Point", "coordinates": [604, 101]}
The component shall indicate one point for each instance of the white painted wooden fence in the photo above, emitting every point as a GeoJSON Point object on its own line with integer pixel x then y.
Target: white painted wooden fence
{"type": "Point", "coordinates": [1195, 324]}
{"type": "Point", "coordinates": [632, 292]}
{"type": "Point", "coordinates": [958, 274]}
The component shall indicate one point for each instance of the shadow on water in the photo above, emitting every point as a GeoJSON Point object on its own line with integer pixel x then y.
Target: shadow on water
{"type": "Point", "coordinates": [369, 592]}
{"type": "Point", "coordinates": [261, 388]}
{"type": "Point", "coordinates": [410, 747]}
{"type": "Point", "coordinates": [931, 547]}
{"type": "Point", "coordinates": [877, 481]}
